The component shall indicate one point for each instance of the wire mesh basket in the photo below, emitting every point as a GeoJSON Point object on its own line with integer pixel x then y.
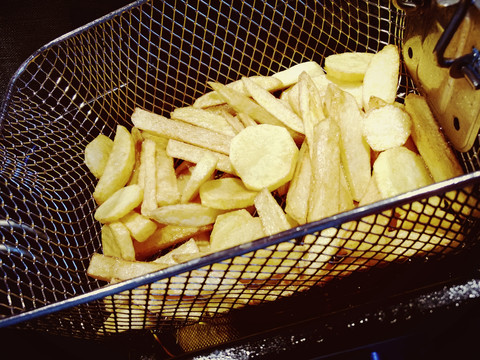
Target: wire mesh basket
{"type": "Point", "coordinates": [159, 55]}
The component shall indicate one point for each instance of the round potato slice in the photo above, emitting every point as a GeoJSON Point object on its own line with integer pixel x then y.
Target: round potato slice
{"type": "Point", "coordinates": [386, 127]}
{"type": "Point", "coordinates": [264, 156]}
{"type": "Point", "coordinates": [226, 194]}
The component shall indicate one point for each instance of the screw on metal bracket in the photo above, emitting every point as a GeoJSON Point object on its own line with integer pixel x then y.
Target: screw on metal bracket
{"type": "Point", "coordinates": [467, 65]}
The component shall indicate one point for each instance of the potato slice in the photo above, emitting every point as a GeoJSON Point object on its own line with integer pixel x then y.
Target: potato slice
{"type": "Point", "coordinates": [290, 76]}
{"type": "Point", "coordinates": [110, 246]}
{"type": "Point", "coordinates": [190, 214]}
{"type": "Point", "coordinates": [140, 227]}
{"type": "Point", "coordinates": [274, 106]}
{"type": "Point", "coordinates": [399, 170]}
{"type": "Point", "coordinates": [119, 204]}
{"type": "Point", "coordinates": [97, 152]}
{"type": "Point", "coordinates": [386, 127]}
{"type": "Point", "coordinates": [203, 118]}
{"type": "Point", "coordinates": [381, 77]}
{"type": "Point", "coordinates": [226, 194]}
{"type": "Point", "coordinates": [201, 173]}
{"type": "Point", "coordinates": [355, 151]}
{"type": "Point", "coordinates": [235, 228]}
{"type": "Point", "coordinates": [348, 66]}
{"type": "Point", "coordinates": [264, 156]}
{"type": "Point", "coordinates": [270, 213]}
{"type": "Point", "coordinates": [325, 191]}
{"type": "Point", "coordinates": [296, 203]}
{"type": "Point", "coordinates": [119, 166]}
{"type": "Point", "coordinates": [179, 130]}
{"type": "Point", "coordinates": [430, 141]}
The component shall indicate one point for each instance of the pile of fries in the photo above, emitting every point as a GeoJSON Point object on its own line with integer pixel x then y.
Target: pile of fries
{"type": "Point", "coordinates": [256, 157]}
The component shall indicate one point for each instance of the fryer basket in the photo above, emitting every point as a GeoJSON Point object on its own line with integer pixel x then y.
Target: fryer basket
{"type": "Point", "coordinates": [159, 55]}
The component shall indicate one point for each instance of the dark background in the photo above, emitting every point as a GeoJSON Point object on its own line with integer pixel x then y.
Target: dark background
{"type": "Point", "coordinates": [27, 25]}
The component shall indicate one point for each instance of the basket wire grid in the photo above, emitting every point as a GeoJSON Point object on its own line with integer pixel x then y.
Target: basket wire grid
{"type": "Point", "coordinates": [159, 55]}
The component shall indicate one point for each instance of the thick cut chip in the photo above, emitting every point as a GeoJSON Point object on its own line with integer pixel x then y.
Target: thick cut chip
{"type": "Point", "coordinates": [399, 170]}
{"type": "Point", "coordinates": [264, 156]}
{"type": "Point", "coordinates": [270, 213]}
{"type": "Point", "coordinates": [140, 227]}
{"type": "Point", "coordinates": [235, 228]}
{"type": "Point", "coordinates": [108, 268]}
{"type": "Point", "coordinates": [180, 150]}
{"type": "Point", "coordinates": [274, 106]}
{"type": "Point", "coordinates": [96, 154]}
{"type": "Point", "coordinates": [167, 236]}
{"type": "Point", "coordinates": [167, 192]}
{"type": "Point", "coordinates": [148, 159]}
{"type": "Point", "coordinates": [119, 166]}
{"type": "Point", "coordinates": [355, 152]}
{"type": "Point", "coordinates": [325, 189]}
{"type": "Point", "coordinates": [430, 141]}
{"type": "Point", "coordinates": [227, 194]}
{"type": "Point", "coordinates": [296, 204]}
{"type": "Point", "coordinates": [119, 204]}
{"type": "Point", "coordinates": [109, 244]}
{"type": "Point", "coordinates": [386, 127]}
{"type": "Point", "coordinates": [179, 130]}
{"type": "Point", "coordinates": [348, 66]}
{"type": "Point", "coordinates": [203, 118]}
{"type": "Point", "coordinates": [201, 173]}
{"type": "Point", "coordinates": [191, 214]}
{"type": "Point", "coordinates": [212, 98]}
{"type": "Point", "coordinates": [123, 240]}
{"type": "Point", "coordinates": [381, 77]}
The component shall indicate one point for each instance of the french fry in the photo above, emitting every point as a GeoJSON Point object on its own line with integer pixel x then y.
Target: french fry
{"type": "Point", "coordinates": [178, 130]}
{"type": "Point", "coordinates": [140, 227]}
{"type": "Point", "coordinates": [96, 154]}
{"type": "Point", "coordinates": [107, 268]}
{"type": "Point", "coordinates": [119, 166]}
{"type": "Point", "coordinates": [190, 214]}
{"type": "Point", "coordinates": [167, 191]}
{"type": "Point", "coordinates": [201, 173]}
{"type": "Point", "coordinates": [212, 98]}
{"type": "Point", "coordinates": [180, 150]}
{"type": "Point", "coordinates": [296, 203]}
{"type": "Point", "coordinates": [271, 214]}
{"type": "Point", "coordinates": [122, 238]}
{"type": "Point", "coordinates": [187, 248]}
{"type": "Point", "coordinates": [148, 158]}
{"type": "Point", "coordinates": [325, 189]}
{"type": "Point", "coordinates": [203, 118]}
{"type": "Point", "coordinates": [167, 236]}
{"type": "Point", "coordinates": [274, 106]}
{"type": "Point", "coordinates": [355, 151]}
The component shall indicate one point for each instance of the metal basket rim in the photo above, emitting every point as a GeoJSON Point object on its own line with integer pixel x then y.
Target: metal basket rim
{"type": "Point", "coordinates": [309, 228]}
